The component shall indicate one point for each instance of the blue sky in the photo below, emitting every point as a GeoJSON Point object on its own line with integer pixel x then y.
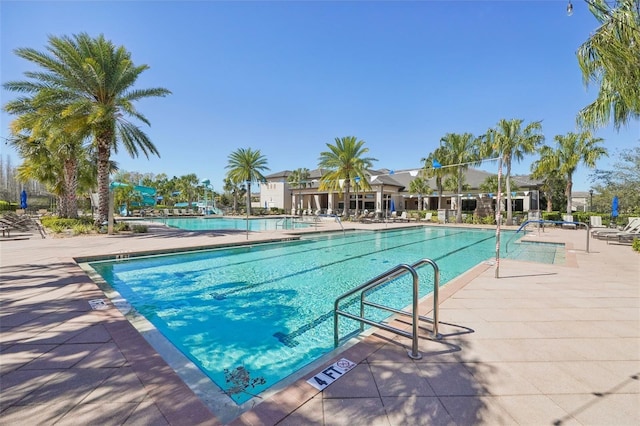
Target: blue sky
{"type": "Point", "coordinates": [289, 77]}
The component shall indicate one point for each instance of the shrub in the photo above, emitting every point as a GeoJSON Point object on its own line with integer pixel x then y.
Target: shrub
{"type": "Point", "coordinates": [121, 227]}
{"type": "Point", "coordinates": [636, 244]}
{"type": "Point", "coordinates": [551, 216]}
{"type": "Point", "coordinates": [58, 225]}
{"type": "Point", "coordinates": [488, 220]}
{"type": "Point", "coordinates": [140, 229]}
{"type": "Point", "coordinates": [81, 228]}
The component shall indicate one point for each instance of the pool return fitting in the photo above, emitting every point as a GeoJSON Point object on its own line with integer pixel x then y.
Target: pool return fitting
{"type": "Point", "coordinates": [384, 278]}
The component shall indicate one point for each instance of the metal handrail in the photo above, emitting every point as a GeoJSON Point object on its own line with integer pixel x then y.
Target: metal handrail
{"type": "Point", "coordinates": [336, 217]}
{"type": "Point", "coordinates": [385, 277]}
{"type": "Point", "coordinates": [542, 221]}
{"type": "Point", "coordinates": [284, 222]}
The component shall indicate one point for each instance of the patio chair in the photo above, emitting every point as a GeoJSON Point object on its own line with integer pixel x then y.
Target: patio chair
{"type": "Point", "coordinates": [602, 233]}
{"type": "Point", "coordinates": [427, 217]}
{"type": "Point", "coordinates": [402, 218]}
{"type": "Point", "coordinates": [623, 236]}
{"type": "Point", "coordinates": [13, 221]}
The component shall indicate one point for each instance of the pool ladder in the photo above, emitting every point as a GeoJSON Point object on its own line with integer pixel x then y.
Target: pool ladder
{"type": "Point", "coordinates": [384, 278]}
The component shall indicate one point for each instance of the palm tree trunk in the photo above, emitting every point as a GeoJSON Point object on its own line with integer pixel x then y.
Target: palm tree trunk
{"type": "Point", "coordinates": [104, 152]}
{"type": "Point", "coordinates": [104, 139]}
{"type": "Point", "coordinates": [568, 193]}
{"type": "Point", "coordinates": [70, 187]}
{"type": "Point", "coordinates": [439, 185]}
{"type": "Point", "coordinates": [508, 186]}
{"type": "Point", "coordinates": [345, 212]}
{"type": "Point", "coordinates": [459, 212]}
{"type": "Point", "coordinates": [249, 198]}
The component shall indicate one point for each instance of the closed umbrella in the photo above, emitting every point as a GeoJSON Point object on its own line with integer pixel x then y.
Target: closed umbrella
{"type": "Point", "coordinates": [23, 199]}
{"type": "Point", "coordinates": [392, 206]}
{"type": "Point", "coordinates": [614, 207]}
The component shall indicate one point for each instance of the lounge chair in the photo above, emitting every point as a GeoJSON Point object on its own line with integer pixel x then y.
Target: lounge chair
{"type": "Point", "coordinates": [427, 217]}
{"type": "Point", "coordinates": [403, 217]}
{"type": "Point", "coordinates": [628, 235]}
{"type": "Point", "coordinates": [602, 233]}
{"type": "Point", "coordinates": [12, 222]}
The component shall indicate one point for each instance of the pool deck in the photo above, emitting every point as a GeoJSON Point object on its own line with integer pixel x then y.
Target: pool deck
{"type": "Point", "coordinates": [542, 344]}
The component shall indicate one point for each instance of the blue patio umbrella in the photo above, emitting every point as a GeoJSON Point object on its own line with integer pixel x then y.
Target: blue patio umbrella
{"type": "Point", "coordinates": [614, 207]}
{"type": "Point", "coordinates": [392, 206]}
{"type": "Point", "coordinates": [23, 199]}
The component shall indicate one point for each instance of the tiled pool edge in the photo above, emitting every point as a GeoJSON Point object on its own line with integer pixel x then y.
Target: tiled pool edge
{"type": "Point", "coordinates": [284, 403]}
{"type": "Point", "coordinates": [161, 381]}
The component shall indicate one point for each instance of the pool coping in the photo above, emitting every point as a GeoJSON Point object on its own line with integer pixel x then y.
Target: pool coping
{"type": "Point", "coordinates": [28, 258]}
{"type": "Point", "coordinates": [205, 388]}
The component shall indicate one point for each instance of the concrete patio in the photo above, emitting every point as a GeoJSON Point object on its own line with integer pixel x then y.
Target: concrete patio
{"type": "Point", "coordinates": [543, 344]}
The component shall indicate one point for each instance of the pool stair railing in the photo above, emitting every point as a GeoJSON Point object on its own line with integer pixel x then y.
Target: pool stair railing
{"type": "Point", "coordinates": [542, 222]}
{"type": "Point", "coordinates": [282, 222]}
{"type": "Point", "coordinates": [382, 279]}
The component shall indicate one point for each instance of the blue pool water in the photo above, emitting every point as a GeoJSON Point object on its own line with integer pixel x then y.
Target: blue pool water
{"type": "Point", "coordinates": [269, 307]}
{"type": "Point", "coordinates": [212, 223]}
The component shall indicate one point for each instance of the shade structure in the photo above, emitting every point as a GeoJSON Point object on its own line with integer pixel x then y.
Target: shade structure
{"type": "Point", "coordinates": [614, 207]}
{"type": "Point", "coordinates": [23, 199]}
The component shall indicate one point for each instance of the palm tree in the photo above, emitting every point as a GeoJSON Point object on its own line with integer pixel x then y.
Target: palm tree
{"type": "Point", "coordinates": [553, 184]}
{"type": "Point", "coordinates": [419, 186]}
{"type": "Point", "coordinates": [572, 149]}
{"type": "Point", "coordinates": [299, 178]}
{"type": "Point", "coordinates": [236, 190]}
{"type": "Point", "coordinates": [188, 187]}
{"type": "Point", "coordinates": [89, 81]}
{"type": "Point", "coordinates": [246, 165]}
{"type": "Point", "coordinates": [437, 172]}
{"type": "Point", "coordinates": [459, 151]}
{"type": "Point", "coordinates": [345, 162]}
{"type": "Point", "coordinates": [511, 142]}
{"type": "Point", "coordinates": [611, 57]}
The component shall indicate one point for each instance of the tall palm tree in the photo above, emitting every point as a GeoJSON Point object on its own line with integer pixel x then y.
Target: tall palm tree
{"type": "Point", "coordinates": [235, 189]}
{"type": "Point", "coordinates": [460, 150]}
{"type": "Point", "coordinates": [553, 183]}
{"type": "Point", "coordinates": [419, 186]}
{"type": "Point", "coordinates": [572, 150]}
{"type": "Point", "coordinates": [611, 58]}
{"type": "Point", "coordinates": [188, 187]}
{"type": "Point", "coordinates": [511, 142]}
{"type": "Point", "coordinates": [246, 165]}
{"type": "Point", "coordinates": [436, 172]}
{"type": "Point", "coordinates": [345, 161]}
{"type": "Point", "coordinates": [299, 179]}
{"type": "Point", "coordinates": [90, 82]}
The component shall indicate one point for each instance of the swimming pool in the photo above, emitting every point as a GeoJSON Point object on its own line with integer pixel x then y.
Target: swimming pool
{"type": "Point", "coordinates": [267, 308]}
{"type": "Point", "coordinates": [224, 223]}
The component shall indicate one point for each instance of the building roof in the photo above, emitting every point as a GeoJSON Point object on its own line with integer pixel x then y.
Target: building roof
{"type": "Point", "coordinates": [402, 178]}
